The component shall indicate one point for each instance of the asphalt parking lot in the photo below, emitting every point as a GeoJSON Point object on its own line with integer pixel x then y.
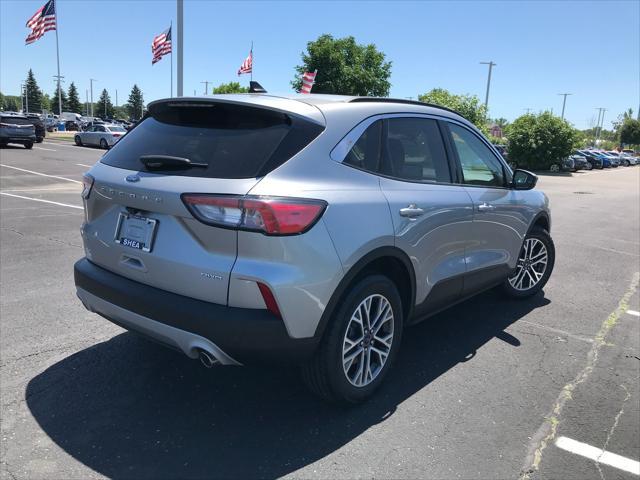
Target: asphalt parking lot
{"type": "Point", "coordinates": [487, 389]}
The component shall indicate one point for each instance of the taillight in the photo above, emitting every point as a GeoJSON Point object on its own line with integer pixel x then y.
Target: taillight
{"type": "Point", "coordinates": [116, 134]}
{"type": "Point", "coordinates": [87, 184]}
{"type": "Point", "coordinates": [268, 215]}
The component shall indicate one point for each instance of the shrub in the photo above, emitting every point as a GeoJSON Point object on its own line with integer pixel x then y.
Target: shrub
{"type": "Point", "coordinates": [538, 141]}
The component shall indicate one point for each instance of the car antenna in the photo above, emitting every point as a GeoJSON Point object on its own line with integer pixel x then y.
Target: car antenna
{"type": "Point", "coordinates": [255, 87]}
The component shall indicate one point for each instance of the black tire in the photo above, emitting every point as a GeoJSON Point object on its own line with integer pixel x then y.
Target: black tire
{"type": "Point", "coordinates": [39, 139]}
{"type": "Point", "coordinates": [78, 140]}
{"type": "Point", "coordinates": [323, 373]}
{"type": "Point", "coordinates": [28, 145]}
{"type": "Point", "coordinates": [103, 144]}
{"type": "Point", "coordinates": [542, 235]}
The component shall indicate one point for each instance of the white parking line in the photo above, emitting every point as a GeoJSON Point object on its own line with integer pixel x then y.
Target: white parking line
{"type": "Point", "coordinates": [60, 144]}
{"type": "Point", "coordinates": [599, 455]}
{"type": "Point", "coordinates": [83, 165]}
{"type": "Point", "coordinates": [41, 200]}
{"type": "Point", "coordinates": [47, 149]}
{"type": "Point", "coordinates": [634, 313]}
{"type": "Point", "coordinates": [41, 174]}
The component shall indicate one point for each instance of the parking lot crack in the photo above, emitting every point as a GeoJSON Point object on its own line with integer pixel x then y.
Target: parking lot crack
{"type": "Point", "coordinates": [613, 428]}
{"type": "Point", "coordinates": [548, 430]}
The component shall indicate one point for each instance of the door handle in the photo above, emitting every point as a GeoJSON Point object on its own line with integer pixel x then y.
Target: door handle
{"type": "Point", "coordinates": [411, 211]}
{"type": "Point", "coordinates": [485, 207]}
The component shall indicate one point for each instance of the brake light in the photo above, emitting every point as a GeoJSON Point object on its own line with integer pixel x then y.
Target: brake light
{"type": "Point", "coordinates": [87, 184]}
{"type": "Point", "coordinates": [269, 299]}
{"type": "Point", "coordinates": [116, 134]}
{"type": "Point", "coordinates": [268, 215]}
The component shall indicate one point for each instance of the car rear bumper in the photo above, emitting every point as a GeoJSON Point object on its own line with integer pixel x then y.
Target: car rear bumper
{"type": "Point", "coordinates": [16, 139]}
{"type": "Point", "coordinates": [233, 335]}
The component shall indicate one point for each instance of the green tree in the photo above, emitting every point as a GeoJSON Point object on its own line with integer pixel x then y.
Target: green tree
{"type": "Point", "coordinates": [231, 87]}
{"type": "Point", "coordinates": [345, 67]}
{"type": "Point", "coordinates": [11, 103]}
{"type": "Point", "coordinates": [537, 141]}
{"type": "Point", "coordinates": [46, 102]}
{"type": "Point", "coordinates": [104, 107]}
{"type": "Point", "coordinates": [630, 132]}
{"type": "Point", "coordinates": [54, 101]}
{"type": "Point", "coordinates": [135, 103]}
{"type": "Point", "coordinates": [73, 100]}
{"type": "Point", "coordinates": [501, 122]}
{"type": "Point", "coordinates": [469, 106]}
{"type": "Point", "coordinates": [34, 94]}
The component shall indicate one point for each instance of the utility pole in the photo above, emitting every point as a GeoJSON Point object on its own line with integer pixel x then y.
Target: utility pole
{"type": "Point", "coordinates": [600, 123]}
{"type": "Point", "coordinates": [206, 86]}
{"type": "Point", "coordinates": [180, 22]}
{"type": "Point", "coordinates": [91, 80]}
{"type": "Point", "coordinates": [21, 97]}
{"type": "Point", "coordinates": [486, 98]}
{"type": "Point", "coordinates": [86, 102]}
{"type": "Point", "coordinates": [564, 102]}
{"type": "Point", "coordinates": [116, 98]}
{"type": "Point", "coordinates": [26, 97]}
{"type": "Point", "coordinates": [59, 79]}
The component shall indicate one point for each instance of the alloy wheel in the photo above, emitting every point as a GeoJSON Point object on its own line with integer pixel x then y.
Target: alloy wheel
{"type": "Point", "coordinates": [531, 266]}
{"type": "Point", "coordinates": [367, 340]}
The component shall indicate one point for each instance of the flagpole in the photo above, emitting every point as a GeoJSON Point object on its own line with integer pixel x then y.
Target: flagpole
{"type": "Point", "coordinates": [58, 60]}
{"type": "Point", "coordinates": [171, 30]}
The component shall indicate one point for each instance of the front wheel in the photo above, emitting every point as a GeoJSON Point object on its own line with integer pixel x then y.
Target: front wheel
{"type": "Point", "coordinates": [554, 168]}
{"type": "Point", "coordinates": [28, 145]}
{"type": "Point", "coordinates": [534, 265]}
{"type": "Point", "coordinates": [360, 343]}
{"type": "Point", "coordinates": [589, 166]}
{"type": "Point", "coordinates": [78, 140]}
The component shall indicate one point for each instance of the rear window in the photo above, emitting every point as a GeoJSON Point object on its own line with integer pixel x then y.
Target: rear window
{"type": "Point", "coordinates": [16, 121]}
{"type": "Point", "coordinates": [117, 129]}
{"type": "Point", "coordinates": [233, 141]}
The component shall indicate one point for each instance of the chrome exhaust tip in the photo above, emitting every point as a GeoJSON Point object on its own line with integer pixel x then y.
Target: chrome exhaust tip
{"type": "Point", "coordinates": [207, 359]}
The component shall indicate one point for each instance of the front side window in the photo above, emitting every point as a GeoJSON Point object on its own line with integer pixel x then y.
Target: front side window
{"type": "Point", "coordinates": [479, 165]}
{"type": "Point", "coordinates": [414, 151]}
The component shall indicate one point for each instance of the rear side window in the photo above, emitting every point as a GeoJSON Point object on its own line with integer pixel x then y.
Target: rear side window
{"type": "Point", "coordinates": [233, 141]}
{"type": "Point", "coordinates": [365, 153]}
{"type": "Point", "coordinates": [414, 151]}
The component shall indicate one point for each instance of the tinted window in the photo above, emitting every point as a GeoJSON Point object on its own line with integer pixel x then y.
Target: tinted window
{"type": "Point", "coordinates": [365, 153]}
{"type": "Point", "coordinates": [233, 141]}
{"type": "Point", "coordinates": [414, 151]}
{"type": "Point", "coordinates": [116, 129]}
{"type": "Point", "coordinates": [479, 165]}
{"type": "Point", "coordinates": [16, 121]}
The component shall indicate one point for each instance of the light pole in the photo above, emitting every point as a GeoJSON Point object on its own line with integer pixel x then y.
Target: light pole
{"type": "Point", "coordinates": [600, 123]}
{"type": "Point", "coordinates": [564, 102]}
{"type": "Point", "coordinates": [180, 8]}
{"type": "Point", "coordinates": [486, 97]}
{"type": "Point", "coordinates": [91, 80]}
{"type": "Point", "coordinates": [86, 102]}
{"type": "Point", "coordinates": [206, 86]}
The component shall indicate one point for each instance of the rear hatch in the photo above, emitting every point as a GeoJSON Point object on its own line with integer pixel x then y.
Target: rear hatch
{"type": "Point", "coordinates": [16, 127]}
{"type": "Point", "coordinates": [137, 224]}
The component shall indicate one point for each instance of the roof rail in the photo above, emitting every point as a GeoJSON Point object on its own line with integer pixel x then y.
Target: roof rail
{"type": "Point", "coordinates": [401, 100]}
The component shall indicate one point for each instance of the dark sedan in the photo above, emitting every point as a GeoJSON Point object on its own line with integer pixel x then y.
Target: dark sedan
{"type": "Point", "coordinates": [593, 159]}
{"type": "Point", "coordinates": [37, 121]}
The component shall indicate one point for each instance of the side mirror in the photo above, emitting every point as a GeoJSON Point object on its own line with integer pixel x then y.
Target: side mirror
{"type": "Point", "coordinates": [523, 180]}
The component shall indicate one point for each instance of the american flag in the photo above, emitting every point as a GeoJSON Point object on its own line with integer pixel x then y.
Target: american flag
{"type": "Point", "coordinates": [43, 21]}
{"type": "Point", "coordinates": [161, 46]}
{"type": "Point", "coordinates": [308, 79]}
{"type": "Point", "coordinates": [247, 65]}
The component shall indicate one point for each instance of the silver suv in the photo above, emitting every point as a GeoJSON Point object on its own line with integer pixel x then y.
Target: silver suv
{"type": "Point", "coordinates": [314, 228]}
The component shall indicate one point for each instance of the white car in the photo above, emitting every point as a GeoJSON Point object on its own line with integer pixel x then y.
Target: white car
{"type": "Point", "coordinates": [627, 159]}
{"type": "Point", "coordinates": [103, 136]}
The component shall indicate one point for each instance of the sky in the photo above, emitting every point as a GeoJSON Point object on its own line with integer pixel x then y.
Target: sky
{"type": "Point", "coordinates": [590, 49]}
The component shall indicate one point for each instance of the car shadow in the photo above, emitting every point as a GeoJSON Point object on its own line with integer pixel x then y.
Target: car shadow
{"type": "Point", "coordinates": [128, 408]}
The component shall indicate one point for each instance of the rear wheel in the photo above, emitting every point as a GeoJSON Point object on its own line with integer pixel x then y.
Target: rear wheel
{"type": "Point", "coordinates": [104, 144]}
{"type": "Point", "coordinates": [78, 140]}
{"type": "Point", "coordinates": [534, 265]}
{"type": "Point", "coordinates": [589, 166]}
{"type": "Point", "coordinates": [28, 145]}
{"type": "Point", "coordinates": [554, 168]}
{"type": "Point", "coordinates": [360, 343]}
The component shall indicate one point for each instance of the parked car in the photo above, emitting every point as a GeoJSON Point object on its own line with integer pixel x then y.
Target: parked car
{"type": "Point", "coordinates": [17, 129]}
{"type": "Point", "coordinates": [38, 123]}
{"type": "Point", "coordinates": [580, 162]}
{"type": "Point", "coordinates": [567, 165]}
{"type": "Point", "coordinates": [628, 159]}
{"type": "Point", "coordinates": [615, 161]}
{"type": "Point", "coordinates": [87, 125]}
{"type": "Point", "coordinates": [606, 161]}
{"type": "Point", "coordinates": [104, 136]}
{"type": "Point", "coordinates": [594, 160]}
{"type": "Point", "coordinates": [313, 229]}
{"type": "Point", "coordinates": [71, 126]}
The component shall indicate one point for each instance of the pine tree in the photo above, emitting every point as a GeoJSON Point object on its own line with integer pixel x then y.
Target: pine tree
{"type": "Point", "coordinates": [73, 102]}
{"type": "Point", "coordinates": [104, 107]}
{"type": "Point", "coordinates": [54, 101]}
{"type": "Point", "coordinates": [34, 94]}
{"type": "Point", "coordinates": [135, 103]}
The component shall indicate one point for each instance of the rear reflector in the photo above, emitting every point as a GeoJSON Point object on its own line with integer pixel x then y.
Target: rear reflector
{"type": "Point", "coordinates": [87, 184]}
{"type": "Point", "coordinates": [268, 215]}
{"type": "Point", "coordinates": [269, 299]}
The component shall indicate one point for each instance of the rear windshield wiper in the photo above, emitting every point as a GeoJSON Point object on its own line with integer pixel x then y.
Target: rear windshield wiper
{"type": "Point", "coordinates": [158, 162]}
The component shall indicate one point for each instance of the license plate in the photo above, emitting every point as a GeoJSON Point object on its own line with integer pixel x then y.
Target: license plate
{"type": "Point", "coordinates": [134, 231]}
